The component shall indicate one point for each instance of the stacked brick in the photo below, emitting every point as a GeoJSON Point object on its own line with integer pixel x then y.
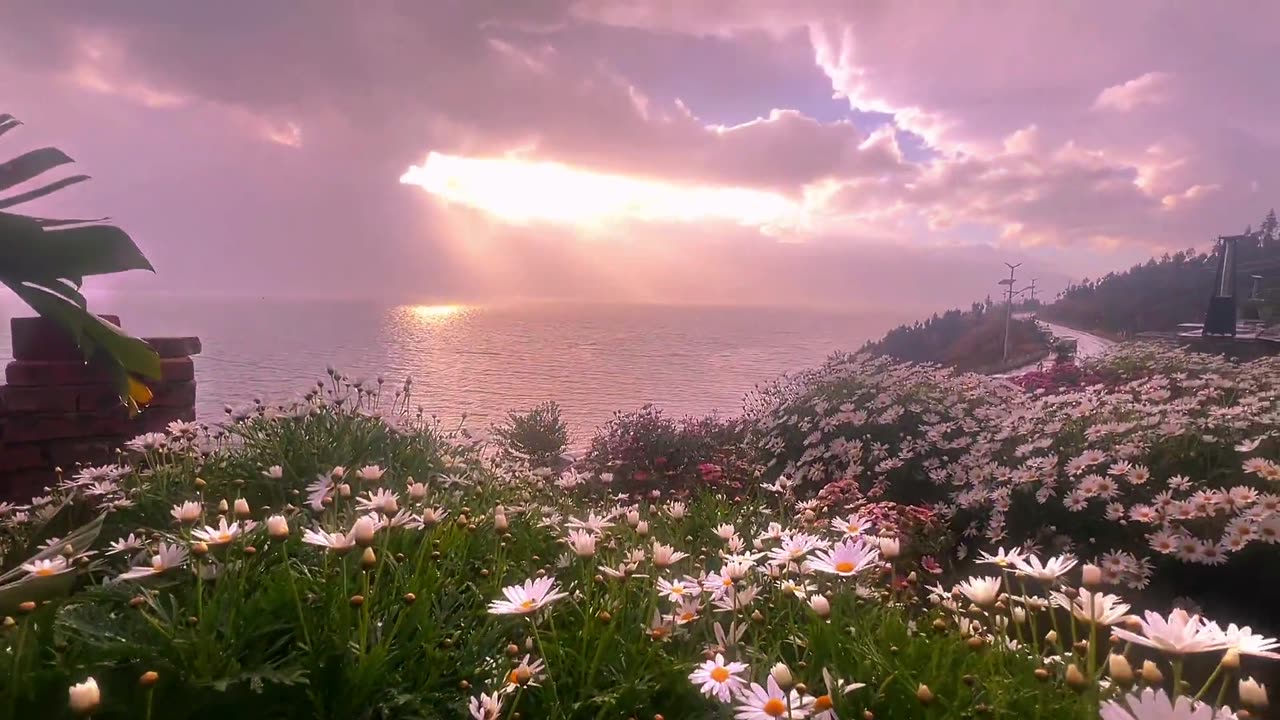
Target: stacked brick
{"type": "Point", "coordinates": [58, 411]}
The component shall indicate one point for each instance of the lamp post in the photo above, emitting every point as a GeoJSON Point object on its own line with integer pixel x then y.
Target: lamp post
{"type": "Point", "coordinates": [1008, 310]}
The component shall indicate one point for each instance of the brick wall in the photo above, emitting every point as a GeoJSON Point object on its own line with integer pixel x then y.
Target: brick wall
{"type": "Point", "coordinates": [58, 411]}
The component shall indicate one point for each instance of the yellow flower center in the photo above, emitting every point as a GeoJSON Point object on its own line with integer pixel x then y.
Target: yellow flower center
{"type": "Point", "coordinates": [844, 567]}
{"type": "Point", "coordinates": [720, 674]}
{"type": "Point", "coordinates": [513, 677]}
{"type": "Point", "coordinates": [774, 708]}
{"type": "Point", "coordinates": [822, 703]}
{"type": "Point", "coordinates": [527, 605]}
{"type": "Point", "coordinates": [45, 571]}
{"type": "Point", "coordinates": [726, 581]}
{"type": "Point", "coordinates": [677, 590]}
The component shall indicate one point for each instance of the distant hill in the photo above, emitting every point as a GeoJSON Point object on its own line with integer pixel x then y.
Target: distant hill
{"type": "Point", "coordinates": [1159, 294]}
{"type": "Point", "coordinates": [967, 340]}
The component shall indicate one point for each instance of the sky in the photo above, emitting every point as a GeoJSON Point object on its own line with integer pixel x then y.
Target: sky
{"type": "Point", "coordinates": [807, 152]}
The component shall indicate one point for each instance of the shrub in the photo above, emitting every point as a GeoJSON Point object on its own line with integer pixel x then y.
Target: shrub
{"type": "Point", "coordinates": [538, 437]}
{"type": "Point", "coordinates": [645, 452]}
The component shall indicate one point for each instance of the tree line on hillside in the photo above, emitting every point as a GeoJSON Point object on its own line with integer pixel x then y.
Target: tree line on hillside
{"type": "Point", "coordinates": [1161, 293]}
{"type": "Point", "coordinates": [965, 339]}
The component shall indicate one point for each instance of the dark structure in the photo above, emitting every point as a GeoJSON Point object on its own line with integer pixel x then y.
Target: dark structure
{"type": "Point", "coordinates": [57, 411]}
{"type": "Point", "coordinates": [1220, 319]}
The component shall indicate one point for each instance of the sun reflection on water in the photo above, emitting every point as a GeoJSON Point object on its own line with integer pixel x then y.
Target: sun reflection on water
{"type": "Point", "coordinates": [437, 313]}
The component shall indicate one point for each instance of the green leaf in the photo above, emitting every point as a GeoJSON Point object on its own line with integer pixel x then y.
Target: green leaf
{"type": "Point", "coordinates": [30, 252]}
{"type": "Point", "coordinates": [30, 164]}
{"type": "Point", "coordinates": [129, 354]}
{"type": "Point", "coordinates": [17, 587]}
{"type": "Point", "coordinates": [41, 191]}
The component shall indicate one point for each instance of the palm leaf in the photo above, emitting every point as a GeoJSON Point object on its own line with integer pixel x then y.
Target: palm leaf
{"type": "Point", "coordinates": [31, 164]}
{"type": "Point", "coordinates": [41, 191]}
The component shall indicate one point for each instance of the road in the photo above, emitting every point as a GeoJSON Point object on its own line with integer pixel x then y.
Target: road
{"type": "Point", "coordinates": [1087, 345]}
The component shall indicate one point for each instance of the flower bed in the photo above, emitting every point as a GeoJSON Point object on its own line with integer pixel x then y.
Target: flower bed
{"type": "Point", "coordinates": [345, 558]}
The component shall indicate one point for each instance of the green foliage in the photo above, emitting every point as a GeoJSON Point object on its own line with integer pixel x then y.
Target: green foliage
{"type": "Point", "coordinates": [44, 262]}
{"type": "Point", "coordinates": [537, 437]}
{"type": "Point", "coordinates": [966, 340]}
{"type": "Point", "coordinates": [268, 628]}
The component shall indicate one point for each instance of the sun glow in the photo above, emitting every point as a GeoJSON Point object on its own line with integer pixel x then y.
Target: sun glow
{"type": "Point", "coordinates": [522, 192]}
{"type": "Point", "coordinates": [437, 313]}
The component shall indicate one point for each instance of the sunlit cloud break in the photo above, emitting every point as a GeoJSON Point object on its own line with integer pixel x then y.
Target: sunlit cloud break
{"type": "Point", "coordinates": [523, 192]}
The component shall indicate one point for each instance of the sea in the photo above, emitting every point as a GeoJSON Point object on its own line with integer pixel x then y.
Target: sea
{"type": "Point", "coordinates": [473, 362]}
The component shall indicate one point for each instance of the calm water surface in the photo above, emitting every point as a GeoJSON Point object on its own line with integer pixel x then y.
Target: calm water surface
{"type": "Point", "coordinates": [484, 360]}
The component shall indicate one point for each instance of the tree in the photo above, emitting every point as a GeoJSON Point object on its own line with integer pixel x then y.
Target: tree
{"type": "Point", "coordinates": [1270, 228]}
{"type": "Point", "coordinates": [44, 262]}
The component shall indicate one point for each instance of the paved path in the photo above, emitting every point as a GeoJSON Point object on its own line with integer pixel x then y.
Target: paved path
{"type": "Point", "coordinates": [1087, 345]}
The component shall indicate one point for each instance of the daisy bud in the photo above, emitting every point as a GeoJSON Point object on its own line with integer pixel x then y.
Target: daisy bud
{"type": "Point", "coordinates": [633, 518]}
{"type": "Point", "coordinates": [523, 673]}
{"type": "Point", "coordinates": [1076, 679]}
{"type": "Point", "coordinates": [409, 598]}
{"type": "Point", "coordinates": [278, 527]}
{"type": "Point", "coordinates": [1019, 615]}
{"type": "Point", "coordinates": [1253, 694]}
{"type": "Point", "coordinates": [1091, 576]}
{"type": "Point", "coordinates": [1120, 670]}
{"type": "Point", "coordinates": [1051, 637]}
{"type": "Point", "coordinates": [417, 491]}
{"type": "Point", "coordinates": [84, 697]}
{"type": "Point", "coordinates": [67, 551]}
{"type": "Point", "coordinates": [363, 530]}
{"type": "Point", "coordinates": [344, 490]}
{"type": "Point", "coordinates": [513, 649]}
{"type": "Point", "coordinates": [821, 606]}
{"type": "Point", "coordinates": [223, 507]}
{"type": "Point", "coordinates": [27, 606]}
{"type": "Point", "coordinates": [356, 601]}
{"type": "Point", "coordinates": [924, 694]}
{"type": "Point", "coordinates": [642, 528]}
{"type": "Point", "coordinates": [199, 483]}
{"type": "Point", "coordinates": [781, 674]}
{"type": "Point", "coordinates": [149, 678]}
{"type": "Point", "coordinates": [500, 523]}
{"type": "Point", "coordinates": [976, 642]}
{"type": "Point", "coordinates": [604, 616]}
{"type": "Point", "coordinates": [528, 644]}
{"type": "Point", "coordinates": [199, 548]}
{"type": "Point", "coordinates": [1231, 659]}
{"type": "Point", "coordinates": [1151, 674]}
{"type": "Point", "coordinates": [368, 560]}
{"type": "Point", "coordinates": [242, 509]}
{"type": "Point", "coordinates": [1041, 674]}
{"type": "Point", "coordinates": [802, 688]}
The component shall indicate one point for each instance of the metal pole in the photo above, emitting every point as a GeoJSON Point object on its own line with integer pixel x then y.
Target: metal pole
{"type": "Point", "coordinates": [1008, 313]}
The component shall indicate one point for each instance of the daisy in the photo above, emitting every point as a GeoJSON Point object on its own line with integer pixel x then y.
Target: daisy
{"type": "Point", "coordinates": [717, 678]}
{"type": "Point", "coordinates": [527, 672]}
{"type": "Point", "coordinates": [677, 590]}
{"type": "Point", "coordinates": [981, 591]}
{"type": "Point", "coordinates": [687, 612]}
{"type": "Point", "coordinates": [824, 705]}
{"type": "Point", "coordinates": [381, 500]}
{"type": "Point", "coordinates": [795, 588]}
{"type": "Point", "coordinates": [527, 598]}
{"type": "Point", "coordinates": [852, 526]}
{"type": "Point", "coordinates": [166, 557]}
{"type": "Point", "coordinates": [370, 473]}
{"type": "Point", "coordinates": [761, 703]}
{"type": "Point", "coordinates": [794, 548]}
{"type": "Point", "coordinates": [128, 544]}
{"type": "Point", "coordinates": [275, 472]}
{"type": "Point", "coordinates": [486, 707]}
{"type": "Point", "coordinates": [665, 556]}
{"type": "Point", "coordinates": [1003, 559]}
{"type": "Point", "coordinates": [337, 542]}
{"type": "Point", "coordinates": [594, 524]}
{"type": "Point", "coordinates": [1246, 642]}
{"type": "Point", "coordinates": [55, 565]}
{"type": "Point", "coordinates": [846, 559]}
{"type": "Point", "coordinates": [1049, 571]}
{"type": "Point", "coordinates": [725, 531]}
{"type": "Point", "coordinates": [220, 535]}
{"type": "Point", "coordinates": [1149, 704]}
{"type": "Point", "coordinates": [187, 512]}
{"type": "Point", "coordinates": [582, 543]}
{"type": "Point", "coordinates": [1178, 634]}
{"type": "Point", "coordinates": [1092, 607]}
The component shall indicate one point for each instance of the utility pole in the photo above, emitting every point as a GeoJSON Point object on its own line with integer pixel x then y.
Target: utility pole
{"type": "Point", "coordinates": [1033, 290]}
{"type": "Point", "coordinates": [1008, 309]}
